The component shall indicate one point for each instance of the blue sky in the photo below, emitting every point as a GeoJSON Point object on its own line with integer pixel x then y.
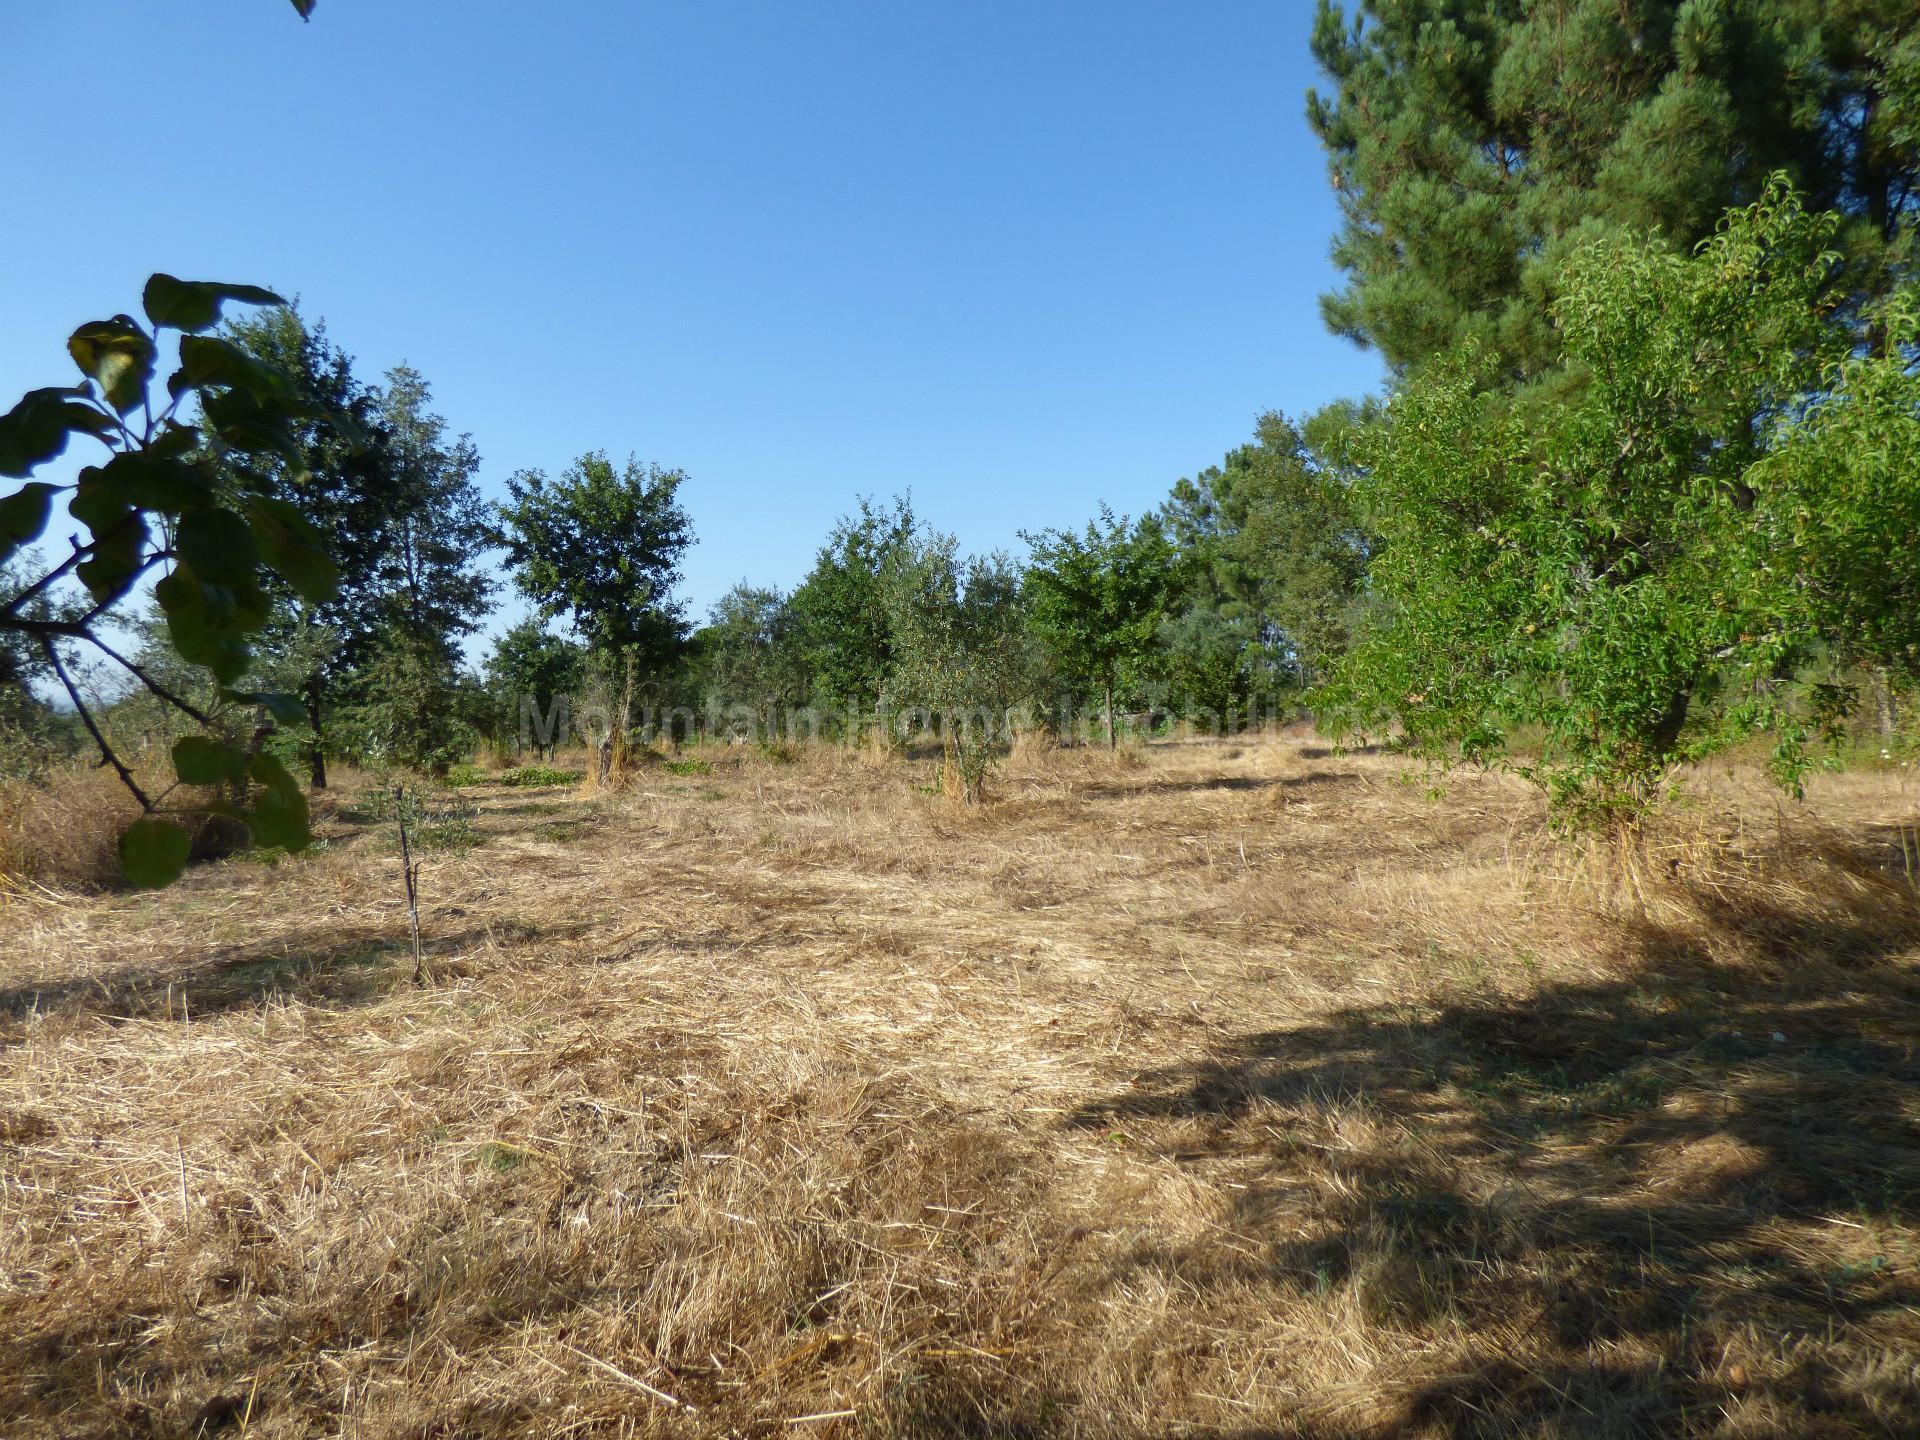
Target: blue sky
{"type": "Point", "coordinates": [1018, 258]}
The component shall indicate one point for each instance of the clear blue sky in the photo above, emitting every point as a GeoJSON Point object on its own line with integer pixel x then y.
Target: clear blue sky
{"type": "Point", "coordinates": [1018, 256]}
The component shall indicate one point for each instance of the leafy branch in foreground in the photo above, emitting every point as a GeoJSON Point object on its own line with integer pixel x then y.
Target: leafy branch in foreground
{"type": "Point", "coordinates": [180, 497]}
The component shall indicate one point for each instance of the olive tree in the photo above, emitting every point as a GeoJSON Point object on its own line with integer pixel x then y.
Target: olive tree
{"type": "Point", "coordinates": [961, 647]}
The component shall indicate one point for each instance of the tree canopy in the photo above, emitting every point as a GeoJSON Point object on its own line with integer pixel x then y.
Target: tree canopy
{"type": "Point", "coordinates": [1474, 144]}
{"type": "Point", "coordinates": [1666, 561]}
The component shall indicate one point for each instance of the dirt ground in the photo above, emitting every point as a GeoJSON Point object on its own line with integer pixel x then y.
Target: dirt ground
{"type": "Point", "coordinates": [1210, 1089]}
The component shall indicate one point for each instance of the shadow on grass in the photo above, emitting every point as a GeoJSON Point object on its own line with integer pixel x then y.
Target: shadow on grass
{"type": "Point", "coordinates": [348, 967]}
{"type": "Point", "coordinates": [1222, 785]}
{"type": "Point", "coordinates": [1619, 1206]}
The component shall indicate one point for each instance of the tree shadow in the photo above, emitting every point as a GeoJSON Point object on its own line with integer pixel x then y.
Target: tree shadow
{"type": "Point", "coordinates": [1610, 1187]}
{"type": "Point", "coordinates": [1227, 784]}
{"type": "Point", "coordinates": [347, 967]}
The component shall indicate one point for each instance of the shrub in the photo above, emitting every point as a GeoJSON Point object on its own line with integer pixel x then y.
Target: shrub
{"type": "Point", "coordinates": [532, 776]}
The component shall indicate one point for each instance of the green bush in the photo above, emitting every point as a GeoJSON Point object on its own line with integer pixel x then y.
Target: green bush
{"type": "Point", "coordinates": [529, 776]}
{"type": "Point", "coordinates": [467, 774]}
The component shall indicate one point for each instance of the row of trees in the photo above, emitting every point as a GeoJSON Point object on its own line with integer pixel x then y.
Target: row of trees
{"type": "Point", "coordinates": [1646, 481]}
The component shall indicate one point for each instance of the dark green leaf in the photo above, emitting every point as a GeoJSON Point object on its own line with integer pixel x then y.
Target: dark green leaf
{"type": "Point", "coordinates": [209, 624]}
{"type": "Point", "coordinates": [194, 305]}
{"type": "Point", "coordinates": [249, 421]}
{"type": "Point", "coordinates": [36, 429]}
{"type": "Point", "coordinates": [216, 542]}
{"type": "Point", "coordinates": [287, 709]}
{"type": "Point", "coordinates": [118, 356]}
{"type": "Point", "coordinates": [153, 853]}
{"type": "Point", "coordinates": [174, 441]}
{"type": "Point", "coordinates": [148, 481]}
{"type": "Point", "coordinates": [280, 813]}
{"type": "Point", "coordinates": [119, 538]}
{"type": "Point", "coordinates": [294, 548]}
{"type": "Point", "coordinates": [23, 516]}
{"type": "Point", "coordinates": [305, 7]}
{"type": "Point", "coordinates": [200, 761]}
{"type": "Point", "coordinates": [209, 360]}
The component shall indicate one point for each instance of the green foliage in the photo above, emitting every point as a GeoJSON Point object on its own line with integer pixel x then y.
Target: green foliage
{"type": "Point", "coordinates": [1672, 556]}
{"type": "Point", "coordinates": [748, 653]}
{"type": "Point", "coordinates": [1209, 659]}
{"type": "Point", "coordinates": [688, 767]}
{"type": "Point", "coordinates": [1474, 144]}
{"type": "Point", "coordinates": [837, 618]}
{"type": "Point", "coordinates": [961, 646]}
{"type": "Point", "coordinates": [602, 547]}
{"type": "Point", "coordinates": [528, 777]}
{"type": "Point", "coordinates": [1272, 553]}
{"type": "Point", "coordinates": [410, 707]}
{"type": "Point", "coordinates": [530, 665]}
{"type": "Point", "coordinates": [405, 518]}
{"type": "Point", "coordinates": [180, 493]}
{"type": "Point", "coordinates": [1098, 600]}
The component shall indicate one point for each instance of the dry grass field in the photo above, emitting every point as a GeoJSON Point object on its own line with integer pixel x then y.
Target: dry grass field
{"type": "Point", "coordinates": [1225, 1090]}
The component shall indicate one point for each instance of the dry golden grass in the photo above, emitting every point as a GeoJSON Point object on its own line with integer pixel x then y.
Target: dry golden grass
{"type": "Point", "coordinates": [63, 835]}
{"type": "Point", "coordinates": [1219, 1090]}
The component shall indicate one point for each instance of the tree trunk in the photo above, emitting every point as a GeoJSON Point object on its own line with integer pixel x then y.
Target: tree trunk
{"type": "Point", "coordinates": [1666, 730]}
{"type": "Point", "coordinates": [623, 719]}
{"type": "Point", "coordinates": [1886, 709]}
{"type": "Point", "coordinates": [1113, 742]}
{"type": "Point", "coordinates": [316, 753]}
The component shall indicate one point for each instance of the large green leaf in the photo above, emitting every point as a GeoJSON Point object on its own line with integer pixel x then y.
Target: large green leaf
{"type": "Point", "coordinates": [194, 305]}
{"type": "Point", "coordinates": [210, 360]}
{"type": "Point", "coordinates": [118, 356]}
{"type": "Point", "coordinates": [218, 545]}
{"type": "Point", "coordinates": [36, 430]}
{"type": "Point", "coordinates": [147, 481]}
{"type": "Point", "coordinates": [279, 815]}
{"type": "Point", "coordinates": [293, 547]}
{"type": "Point", "coordinates": [305, 7]}
{"type": "Point", "coordinates": [23, 516]}
{"type": "Point", "coordinates": [153, 853]}
{"type": "Point", "coordinates": [209, 624]}
{"type": "Point", "coordinates": [119, 538]}
{"type": "Point", "coordinates": [200, 761]}
{"type": "Point", "coordinates": [249, 421]}
{"type": "Point", "coordinates": [287, 709]}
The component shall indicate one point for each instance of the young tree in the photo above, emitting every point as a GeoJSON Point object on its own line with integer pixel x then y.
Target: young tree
{"type": "Point", "coordinates": [839, 612]}
{"type": "Point", "coordinates": [1474, 143]}
{"type": "Point", "coordinates": [1211, 659]}
{"type": "Point", "coordinates": [960, 646]}
{"type": "Point", "coordinates": [602, 546]}
{"type": "Point", "coordinates": [531, 674]}
{"type": "Point", "coordinates": [1664, 561]}
{"type": "Point", "coordinates": [748, 653]}
{"type": "Point", "coordinates": [1098, 600]}
{"type": "Point", "coordinates": [407, 520]}
{"type": "Point", "coordinates": [409, 706]}
{"type": "Point", "coordinates": [440, 524]}
{"type": "Point", "coordinates": [1270, 541]}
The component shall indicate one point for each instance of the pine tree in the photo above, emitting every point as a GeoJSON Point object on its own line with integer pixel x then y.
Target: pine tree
{"type": "Point", "coordinates": [1474, 143]}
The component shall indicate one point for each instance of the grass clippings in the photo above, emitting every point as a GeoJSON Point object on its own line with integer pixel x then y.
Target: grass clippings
{"type": "Point", "coordinates": [1215, 1090]}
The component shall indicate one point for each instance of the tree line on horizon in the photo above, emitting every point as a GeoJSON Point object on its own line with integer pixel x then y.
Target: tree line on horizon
{"type": "Point", "coordinates": [1644, 483]}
